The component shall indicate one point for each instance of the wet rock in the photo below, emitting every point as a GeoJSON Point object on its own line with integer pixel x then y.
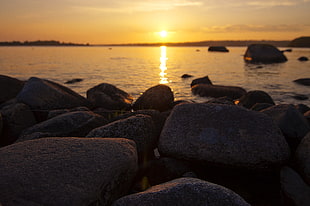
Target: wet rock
{"type": "Point", "coordinates": [159, 98]}
{"type": "Point", "coordinates": [217, 49]}
{"type": "Point", "coordinates": [222, 100]}
{"type": "Point", "coordinates": [300, 97]}
{"type": "Point", "coordinates": [202, 80]}
{"type": "Point", "coordinates": [303, 158]}
{"type": "Point", "coordinates": [263, 53]}
{"type": "Point", "coordinates": [292, 123]}
{"type": "Point", "coordinates": [54, 113]}
{"type": "Point", "coordinates": [9, 88]}
{"type": "Point", "coordinates": [303, 81]}
{"type": "Point", "coordinates": [72, 124]}
{"type": "Point", "coordinates": [253, 97]}
{"type": "Point", "coordinates": [184, 76]}
{"type": "Point", "coordinates": [73, 81]}
{"type": "Point", "coordinates": [16, 118]}
{"type": "Point", "coordinates": [110, 97]}
{"type": "Point", "coordinates": [47, 95]}
{"type": "Point", "coordinates": [302, 108]}
{"type": "Point", "coordinates": [205, 90]}
{"type": "Point", "coordinates": [303, 59]}
{"type": "Point", "coordinates": [224, 135]}
{"type": "Point", "coordinates": [294, 189]}
{"type": "Point", "coordinates": [260, 106]}
{"type": "Point", "coordinates": [139, 128]}
{"type": "Point", "coordinates": [183, 191]}
{"type": "Point", "coordinates": [66, 171]}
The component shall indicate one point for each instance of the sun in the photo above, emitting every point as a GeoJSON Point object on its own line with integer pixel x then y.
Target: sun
{"type": "Point", "coordinates": [163, 33]}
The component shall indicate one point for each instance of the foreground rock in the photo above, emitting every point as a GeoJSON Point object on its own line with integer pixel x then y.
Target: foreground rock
{"type": "Point", "coordinates": [47, 95]}
{"type": "Point", "coordinates": [66, 171]}
{"type": "Point", "coordinates": [303, 158]}
{"type": "Point", "coordinates": [110, 97]}
{"type": "Point", "coordinates": [9, 88]}
{"type": "Point", "coordinates": [223, 135]}
{"type": "Point", "coordinates": [202, 80]}
{"type": "Point", "coordinates": [254, 97]}
{"type": "Point", "coordinates": [263, 53]}
{"type": "Point", "coordinates": [303, 81]}
{"type": "Point", "coordinates": [205, 90]}
{"type": "Point", "coordinates": [184, 191]}
{"type": "Point", "coordinates": [159, 97]}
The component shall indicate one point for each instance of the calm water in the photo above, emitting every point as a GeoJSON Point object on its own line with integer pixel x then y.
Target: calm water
{"type": "Point", "coordinates": [134, 69]}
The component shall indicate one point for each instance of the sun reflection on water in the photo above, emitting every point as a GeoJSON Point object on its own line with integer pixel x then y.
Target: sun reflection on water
{"type": "Point", "coordinates": [163, 65]}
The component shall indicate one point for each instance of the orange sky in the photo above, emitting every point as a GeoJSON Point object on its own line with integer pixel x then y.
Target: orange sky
{"type": "Point", "coordinates": [123, 21]}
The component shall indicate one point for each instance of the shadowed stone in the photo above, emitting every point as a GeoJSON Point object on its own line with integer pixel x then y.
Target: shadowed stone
{"type": "Point", "coordinates": [251, 98]}
{"type": "Point", "coordinates": [205, 90]}
{"type": "Point", "coordinates": [9, 88]}
{"type": "Point", "coordinates": [303, 158]}
{"type": "Point", "coordinates": [264, 53]}
{"type": "Point", "coordinates": [202, 80]}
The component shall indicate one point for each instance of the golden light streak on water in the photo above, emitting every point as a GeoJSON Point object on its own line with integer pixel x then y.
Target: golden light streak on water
{"type": "Point", "coordinates": [163, 65]}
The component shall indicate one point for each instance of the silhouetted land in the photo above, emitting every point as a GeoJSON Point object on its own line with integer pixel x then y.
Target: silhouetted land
{"type": "Point", "coordinates": [40, 43]}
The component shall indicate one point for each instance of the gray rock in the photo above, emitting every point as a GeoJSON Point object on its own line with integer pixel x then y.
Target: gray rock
{"type": "Point", "coordinates": [110, 97]}
{"type": "Point", "coordinates": [47, 95]}
{"type": "Point", "coordinates": [303, 81]}
{"type": "Point", "coordinates": [253, 97]}
{"type": "Point", "coordinates": [202, 80]}
{"type": "Point", "coordinates": [159, 98]}
{"type": "Point", "coordinates": [205, 90]}
{"type": "Point", "coordinates": [303, 158]}
{"type": "Point", "coordinates": [66, 171]}
{"type": "Point", "coordinates": [225, 135]}
{"type": "Point", "coordinates": [9, 88]}
{"type": "Point", "coordinates": [263, 53]}
{"type": "Point", "coordinates": [295, 190]}
{"type": "Point", "coordinates": [183, 191]}
{"type": "Point", "coordinates": [139, 128]}
{"type": "Point", "coordinates": [16, 118]}
{"type": "Point", "coordinates": [72, 124]}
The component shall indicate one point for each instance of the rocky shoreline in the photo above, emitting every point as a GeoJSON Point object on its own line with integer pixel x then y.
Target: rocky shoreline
{"type": "Point", "coordinates": [59, 148]}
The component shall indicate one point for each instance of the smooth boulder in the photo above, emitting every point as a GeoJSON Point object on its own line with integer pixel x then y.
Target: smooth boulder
{"type": "Point", "coordinates": [43, 94]}
{"type": "Point", "coordinates": [183, 192]}
{"type": "Point", "coordinates": [202, 80]}
{"type": "Point", "coordinates": [302, 157]}
{"type": "Point", "coordinates": [66, 171]}
{"type": "Point", "coordinates": [251, 98]}
{"type": "Point", "coordinates": [205, 90]}
{"type": "Point", "coordinates": [9, 88]}
{"type": "Point", "coordinates": [217, 49]}
{"type": "Point", "coordinates": [264, 53]}
{"type": "Point", "coordinates": [225, 135]}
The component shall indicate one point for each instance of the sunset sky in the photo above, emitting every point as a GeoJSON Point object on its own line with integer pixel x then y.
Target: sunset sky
{"type": "Point", "coordinates": [125, 21]}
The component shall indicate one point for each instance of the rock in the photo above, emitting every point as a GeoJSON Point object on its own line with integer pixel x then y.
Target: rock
{"type": "Point", "coordinates": [110, 97]}
{"type": "Point", "coordinates": [205, 90]}
{"type": "Point", "coordinates": [294, 189]}
{"type": "Point", "coordinates": [263, 53]}
{"type": "Point", "coordinates": [217, 49]}
{"type": "Point", "coordinates": [138, 128]}
{"type": "Point", "coordinates": [202, 80]}
{"type": "Point", "coordinates": [292, 123]}
{"type": "Point", "coordinates": [253, 97]}
{"type": "Point", "coordinates": [260, 106]}
{"type": "Point", "coordinates": [16, 118]}
{"type": "Point", "coordinates": [73, 81]}
{"type": "Point", "coordinates": [54, 113]}
{"type": "Point", "coordinates": [302, 59]}
{"type": "Point", "coordinates": [221, 100]}
{"type": "Point", "coordinates": [303, 81]}
{"type": "Point", "coordinates": [72, 124]}
{"type": "Point", "coordinates": [46, 95]}
{"type": "Point", "coordinates": [184, 76]}
{"type": "Point", "coordinates": [300, 97]}
{"type": "Point", "coordinates": [66, 171]}
{"type": "Point", "coordinates": [159, 98]}
{"type": "Point", "coordinates": [303, 158]}
{"type": "Point", "coordinates": [224, 135]}
{"type": "Point", "coordinates": [183, 191]}
{"type": "Point", "coordinates": [9, 88]}
{"type": "Point", "coordinates": [302, 108]}
{"type": "Point", "coordinates": [1, 125]}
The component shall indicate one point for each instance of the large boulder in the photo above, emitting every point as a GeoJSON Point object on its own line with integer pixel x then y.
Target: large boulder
{"type": "Point", "coordinates": [202, 80]}
{"type": "Point", "coordinates": [263, 53]}
{"type": "Point", "coordinates": [110, 97]}
{"type": "Point", "coordinates": [139, 128]}
{"type": "Point", "coordinates": [182, 192]}
{"type": "Point", "coordinates": [9, 88]}
{"type": "Point", "coordinates": [159, 97]}
{"type": "Point", "coordinates": [251, 98]}
{"type": "Point", "coordinates": [206, 90]}
{"type": "Point", "coordinates": [303, 158]}
{"type": "Point", "coordinates": [224, 135]}
{"type": "Point", "coordinates": [43, 94]}
{"type": "Point", "coordinates": [72, 124]}
{"type": "Point", "coordinates": [66, 171]}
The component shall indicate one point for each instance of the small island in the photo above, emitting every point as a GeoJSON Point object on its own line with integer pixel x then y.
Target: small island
{"type": "Point", "coordinates": [40, 43]}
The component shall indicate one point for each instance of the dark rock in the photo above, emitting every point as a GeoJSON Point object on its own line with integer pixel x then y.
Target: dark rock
{"type": "Point", "coordinates": [159, 97]}
{"type": "Point", "coordinates": [138, 128]}
{"type": "Point", "coordinates": [54, 113]}
{"type": "Point", "coordinates": [205, 90]}
{"type": "Point", "coordinates": [225, 135]}
{"type": "Point", "coordinates": [292, 123]}
{"type": "Point", "coordinates": [110, 97]}
{"type": "Point", "coordinates": [303, 158]}
{"type": "Point", "coordinates": [183, 191]}
{"type": "Point", "coordinates": [302, 59]}
{"type": "Point", "coordinates": [221, 100]}
{"type": "Point", "coordinates": [46, 95]}
{"type": "Point", "coordinates": [294, 189]}
{"type": "Point", "coordinates": [16, 118]}
{"type": "Point", "coordinates": [260, 106]}
{"type": "Point", "coordinates": [263, 53]}
{"type": "Point", "coordinates": [303, 81]}
{"type": "Point", "coordinates": [300, 97]}
{"type": "Point", "coordinates": [307, 116]}
{"type": "Point", "coordinates": [202, 80]}
{"type": "Point", "coordinates": [302, 108]}
{"type": "Point", "coordinates": [72, 124]}
{"type": "Point", "coordinates": [252, 97]}
{"type": "Point", "coordinates": [217, 49]}
{"type": "Point", "coordinates": [66, 171]}
{"type": "Point", "coordinates": [73, 81]}
{"type": "Point", "coordinates": [184, 76]}
{"type": "Point", "coordinates": [9, 88]}
{"type": "Point", "coordinates": [287, 50]}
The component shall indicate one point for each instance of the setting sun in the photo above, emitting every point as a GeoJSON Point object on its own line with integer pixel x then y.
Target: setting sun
{"type": "Point", "coordinates": [163, 33]}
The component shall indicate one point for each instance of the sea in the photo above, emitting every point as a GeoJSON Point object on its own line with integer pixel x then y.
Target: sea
{"type": "Point", "coordinates": [135, 69]}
